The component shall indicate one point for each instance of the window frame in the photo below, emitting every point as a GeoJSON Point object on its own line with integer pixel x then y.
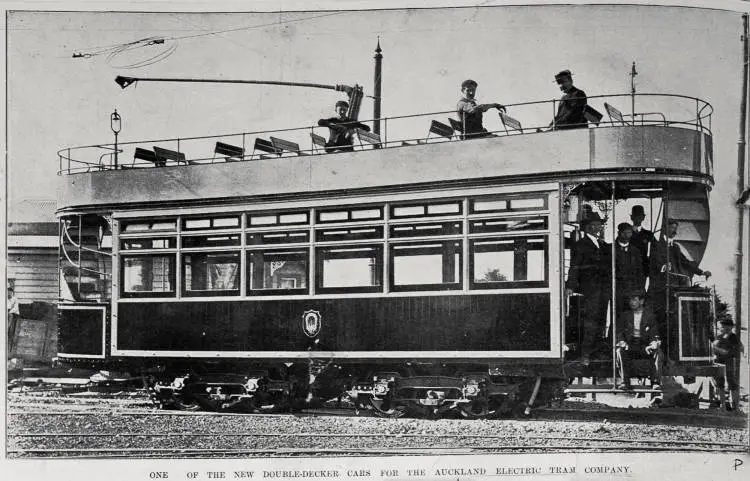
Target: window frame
{"type": "Point", "coordinates": [443, 286]}
{"type": "Point", "coordinates": [297, 291]}
{"type": "Point", "coordinates": [319, 269]}
{"type": "Point", "coordinates": [514, 284]}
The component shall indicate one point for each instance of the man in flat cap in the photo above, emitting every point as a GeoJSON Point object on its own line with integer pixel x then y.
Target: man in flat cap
{"type": "Point", "coordinates": [342, 128]}
{"type": "Point", "coordinates": [590, 275]}
{"type": "Point", "coordinates": [470, 113]}
{"type": "Point", "coordinates": [728, 350]}
{"type": "Point", "coordinates": [571, 108]}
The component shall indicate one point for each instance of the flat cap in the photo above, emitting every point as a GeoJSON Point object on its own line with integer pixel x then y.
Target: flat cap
{"type": "Point", "coordinates": [468, 83]}
{"type": "Point", "coordinates": [342, 103]}
{"type": "Point", "coordinates": [563, 74]}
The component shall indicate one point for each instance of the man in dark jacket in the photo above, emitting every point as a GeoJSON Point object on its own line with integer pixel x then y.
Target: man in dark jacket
{"type": "Point", "coordinates": [638, 338]}
{"type": "Point", "coordinates": [470, 112]}
{"type": "Point", "coordinates": [590, 276]}
{"type": "Point", "coordinates": [570, 110]}
{"type": "Point", "coordinates": [629, 274]}
{"type": "Point", "coordinates": [670, 267]}
{"type": "Point", "coordinates": [342, 128]}
{"type": "Point", "coordinates": [642, 238]}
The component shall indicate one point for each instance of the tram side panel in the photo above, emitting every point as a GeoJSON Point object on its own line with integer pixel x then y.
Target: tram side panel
{"type": "Point", "coordinates": [507, 322]}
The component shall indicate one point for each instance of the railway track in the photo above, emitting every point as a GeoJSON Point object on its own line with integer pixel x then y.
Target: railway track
{"type": "Point", "coordinates": [383, 445]}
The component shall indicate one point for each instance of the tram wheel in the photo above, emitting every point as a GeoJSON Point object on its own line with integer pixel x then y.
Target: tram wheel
{"type": "Point", "coordinates": [188, 404]}
{"type": "Point", "coordinates": [478, 409]}
{"type": "Point", "coordinates": [384, 409]}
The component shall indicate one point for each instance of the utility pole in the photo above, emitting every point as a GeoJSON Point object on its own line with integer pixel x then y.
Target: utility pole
{"type": "Point", "coordinates": [633, 73]}
{"type": "Point", "coordinates": [376, 90]}
{"type": "Point", "coordinates": [741, 152]}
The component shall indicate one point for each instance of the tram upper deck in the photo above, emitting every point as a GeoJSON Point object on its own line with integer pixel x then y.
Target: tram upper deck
{"type": "Point", "coordinates": [672, 141]}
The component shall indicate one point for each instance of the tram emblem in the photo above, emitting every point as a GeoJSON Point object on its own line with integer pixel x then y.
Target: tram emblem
{"type": "Point", "coordinates": [311, 323]}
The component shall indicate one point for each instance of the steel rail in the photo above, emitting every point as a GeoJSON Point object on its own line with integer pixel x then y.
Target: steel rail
{"type": "Point", "coordinates": [409, 451]}
{"type": "Point", "coordinates": [680, 442]}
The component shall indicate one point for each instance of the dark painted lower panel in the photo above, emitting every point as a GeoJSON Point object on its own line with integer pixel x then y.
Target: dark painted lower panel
{"type": "Point", "coordinates": [509, 322]}
{"type": "Point", "coordinates": [80, 331]}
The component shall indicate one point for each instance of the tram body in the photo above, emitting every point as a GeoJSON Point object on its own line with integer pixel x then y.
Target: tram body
{"type": "Point", "coordinates": [439, 267]}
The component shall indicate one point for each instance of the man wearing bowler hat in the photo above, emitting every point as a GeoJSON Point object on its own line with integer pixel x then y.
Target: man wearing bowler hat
{"type": "Point", "coordinates": [590, 276]}
{"type": "Point", "coordinates": [642, 237]}
{"type": "Point", "coordinates": [470, 112]}
{"type": "Point", "coordinates": [570, 110]}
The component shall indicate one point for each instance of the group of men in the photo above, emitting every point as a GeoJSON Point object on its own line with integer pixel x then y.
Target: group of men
{"type": "Point", "coordinates": [570, 111]}
{"type": "Point", "coordinates": [570, 114]}
{"type": "Point", "coordinates": [640, 260]}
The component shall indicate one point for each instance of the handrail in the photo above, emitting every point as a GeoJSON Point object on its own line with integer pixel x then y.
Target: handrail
{"type": "Point", "coordinates": [80, 247]}
{"type": "Point", "coordinates": [700, 111]}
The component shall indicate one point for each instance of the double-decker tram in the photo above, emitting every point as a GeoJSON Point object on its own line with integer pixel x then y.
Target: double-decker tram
{"type": "Point", "coordinates": [419, 273]}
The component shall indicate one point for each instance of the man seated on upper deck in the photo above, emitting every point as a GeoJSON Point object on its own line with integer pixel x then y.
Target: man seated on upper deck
{"type": "Point", "coordinates": [572, 105]}
{"type": "Point", "coordinates": [342, 128]}
{"type": "Point", "coordinates": [470, 113]}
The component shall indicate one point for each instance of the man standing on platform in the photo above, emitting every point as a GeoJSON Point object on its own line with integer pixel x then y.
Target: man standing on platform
{"type": "Point", "coordinates": [642, 238]}
{"type": "Point", "coordinates": [590, 276]}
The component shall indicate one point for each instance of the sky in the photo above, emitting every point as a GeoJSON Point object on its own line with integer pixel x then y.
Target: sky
{"type": "Point", "coordinates": [56, 101]}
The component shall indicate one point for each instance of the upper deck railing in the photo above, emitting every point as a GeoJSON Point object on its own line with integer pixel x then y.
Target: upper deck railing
{"type": "Point", "coordinates": [664, 110]}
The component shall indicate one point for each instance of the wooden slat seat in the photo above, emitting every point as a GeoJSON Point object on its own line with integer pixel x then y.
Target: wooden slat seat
{"type": "Point", "coordinates": [441, 129]}
{"type": "Point", "coordinates": [231, 152]}
{"type": "Point", "coordinates": [148, 155]}
{"type": "Point", "coordinates": [615, 116]}
{"type": "Point", "coordinates": [369, 137]}
{"type": "Point", "coordinates": [264, 146]}
{"type": "Point", "coordinates": [165, 155]}
{"type": "Point", "coordinates": [510, 122]}
{"type": "Point", "coordinates": [592, 115]}
{"type": "Point", "coordinates": [286, 146]}
{"type": "Point", "coordinates": [318, 142]}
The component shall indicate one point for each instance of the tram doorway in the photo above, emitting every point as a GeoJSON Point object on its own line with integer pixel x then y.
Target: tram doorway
{"type": "Point", "coordinates": [627, 240]}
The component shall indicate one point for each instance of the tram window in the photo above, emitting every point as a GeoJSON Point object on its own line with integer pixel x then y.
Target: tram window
{"type": "Point", "coordinates": [346, 234]}
{"type": "Point", "coordinates": [214, 240]}
{"type": "Point", "coordinates": [508, 225]}
{"type": "Point", "coordinates": [516, 262]}
{"type": "Point", "coordinates": [277, 271]}
{"type": "Point", "coordinates": [482, 206]}
{"type": "Point", "coordinates": [426, 209]}
{"type": "Point", "coordinates": [287, 218]}
{"type": "Point", "coordinates": [211, 223]}
{"type": "Point", "coordinates": [280, 237]}
{"type": "Point", "coordinates": [149, 243]}
{"type": "Point", "coordinates": [148, 226]}
{"type": "Point", "coordinates": [344, 215]}
{"type": "Point", "coordinates": [211, 273]}
{"type": "Point", "coordinates": [434, 265]}
{"type": "Point", "coordinates": [349, 269]}
{"type": "Point", "coordinates": [423, 230]}
{"type": "Point", "coordinates": [148, 275]}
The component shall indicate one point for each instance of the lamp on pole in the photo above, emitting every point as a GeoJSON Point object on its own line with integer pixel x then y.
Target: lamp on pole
{"type": "Point", "coordinates": [115, 123]}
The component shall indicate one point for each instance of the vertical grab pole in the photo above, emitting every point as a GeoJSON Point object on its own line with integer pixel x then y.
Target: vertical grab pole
{"type": "Point", "coordinates": [613, 304]}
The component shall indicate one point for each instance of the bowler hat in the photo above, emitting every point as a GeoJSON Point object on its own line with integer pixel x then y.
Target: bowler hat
{"type": "Point", "coordinates": [636, 293]}
{"type": "Point", "coordinates": [562, 75]}
{"type": "Point", "coordinates": [637, 209]}
{"type": "Point", "coordinates": [726, 322]}
{"type": "Point", "coordinates": [468, 83]}
{"type": "Point", "coordinates": [591, 217]}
